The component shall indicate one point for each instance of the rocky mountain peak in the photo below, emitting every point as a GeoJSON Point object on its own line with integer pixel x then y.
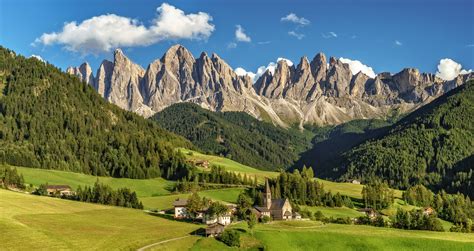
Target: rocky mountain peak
{"type": "Point", "coordinates": [319, 67]}
{"type": "Point", "coordinates": [310, 92]}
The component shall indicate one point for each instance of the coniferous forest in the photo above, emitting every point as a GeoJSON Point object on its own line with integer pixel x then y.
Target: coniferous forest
{"type": "Point", "coordinates": [433, 146]}
{"type": "Point", "coordinates": [50, 119]}
{"type": "Point", "coordinates": [235, 135]}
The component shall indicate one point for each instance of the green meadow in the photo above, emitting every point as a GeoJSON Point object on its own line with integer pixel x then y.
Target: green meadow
{"type": "Point", "coordinates": [229, 164]}
{"type": "Point", "coordinates": [31, 222]}
{"type": "Point", "coordinates": [143, 188]}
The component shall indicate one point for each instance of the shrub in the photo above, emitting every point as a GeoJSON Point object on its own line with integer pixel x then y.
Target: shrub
{"type": "Point", "coordinates": [265, 219]}
{"type": "Point", "coordinates": [231, 237]}
{"type": "Point", "coordinates": [318, 215]}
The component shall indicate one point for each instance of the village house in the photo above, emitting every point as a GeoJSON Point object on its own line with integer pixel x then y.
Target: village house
{"type": "Point", "coordinates": [225, 219]}
{"type": "Point", "coordinates": [59, 190]}
{"type": "Point", "coordinates": [277, 209]}
{"type": "Point", "coordinates": [180, 211]}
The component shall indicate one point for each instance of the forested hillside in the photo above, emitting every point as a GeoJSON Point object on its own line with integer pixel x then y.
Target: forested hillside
{"type": "Point", "coordinates": [235, 135]}
{"type": "Point", "coordinates": [50, 119]}
{"type": "Point", "coordinates": [433, 146]}
{"type": "Point", "coordinates": [330, 142]}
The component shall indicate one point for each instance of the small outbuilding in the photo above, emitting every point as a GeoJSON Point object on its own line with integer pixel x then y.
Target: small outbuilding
{"type": "Point", "coordinates": [214, 230]}
{"type": "Point", "coordinates": [59, 190]}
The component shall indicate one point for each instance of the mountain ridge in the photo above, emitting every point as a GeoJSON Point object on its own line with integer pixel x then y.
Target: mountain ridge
{"type": "Point", "coordinates": [311, 92]}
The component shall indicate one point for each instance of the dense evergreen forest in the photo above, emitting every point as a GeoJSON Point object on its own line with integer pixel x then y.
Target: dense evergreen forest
{"type": "Point", "coordinates": [433, 146]}
{"type": "Point", "coordinates": [50, 119]}
{"type": "Point", "coordinates": [235, 135]}
{"type": "Point", "coordinates": [330, 142]}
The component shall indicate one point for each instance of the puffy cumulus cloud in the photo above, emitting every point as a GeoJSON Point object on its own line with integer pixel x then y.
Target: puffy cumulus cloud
{"type": "Point", "coordinates": [449, 69]}
{"type": "Point", "coordinates": [105, 32]}
{"type": "Point", "coordinates": [240, 34]}
{"type": "Point", "coordinates": [38, 58]}
{"type": "Point", "coordinates": [356, 66]}
{"type": "Point", "coordinates": [292, 17]}
{"type": "Point", "coordinates": [299, 36]}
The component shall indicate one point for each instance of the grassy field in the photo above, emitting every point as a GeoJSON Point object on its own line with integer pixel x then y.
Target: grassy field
{"type": "Point", "coordinates": [166, 201]}
{"type": "Point", "coordinates": [309, 235]}
{"type": "Point", "coordinates": [143, 188]}
{"type": "Point", "coordinates": [31, 222]}
{"type": "Point", "coordinates": [335, 212]}
{"type": "Point", "coordinates": [229, 165]}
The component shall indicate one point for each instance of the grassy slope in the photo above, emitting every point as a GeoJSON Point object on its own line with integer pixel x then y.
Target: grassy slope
{"type": "Point", "coordinates": [33, 223]}
{"type": "Point", "coordinates": [229, 164]}
{"type": "Point", "coordinates": [143, 188]}
{"type": "Point", "coordinates": [308, 235]}
{"type": "Point", "coordinates": [166, 201]}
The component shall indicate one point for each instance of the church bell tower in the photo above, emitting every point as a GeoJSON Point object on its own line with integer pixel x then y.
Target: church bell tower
{"type": "Point", "coordinates": [267, 200]}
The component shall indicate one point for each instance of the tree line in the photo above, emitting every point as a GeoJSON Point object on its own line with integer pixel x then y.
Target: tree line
{"type": "Point", "coordinates": [199, 180]}
{"type": "Point", "coordinates": [9, 178]}
{"type": "Point", "coordinates": [456, 208]}
{"type": "Point", "coordinates": [301, 188]}
{"type": "Point", "coordinates": [101, 194]}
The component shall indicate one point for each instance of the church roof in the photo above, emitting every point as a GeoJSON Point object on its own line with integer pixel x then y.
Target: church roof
{"type": "Point", "coordinates": [262, 209]}
{"type": "Point", "coordinates": [277, 204]}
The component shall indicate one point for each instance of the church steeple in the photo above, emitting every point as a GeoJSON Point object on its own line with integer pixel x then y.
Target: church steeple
{"type": "Point", "coordinates": [267, 200]}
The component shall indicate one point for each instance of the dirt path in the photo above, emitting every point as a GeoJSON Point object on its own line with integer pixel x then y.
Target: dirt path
{"type": "Point", "coordinates": [161, 242]}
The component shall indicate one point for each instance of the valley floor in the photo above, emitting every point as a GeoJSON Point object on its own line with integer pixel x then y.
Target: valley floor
{"type": "Point", "coordinates": [32, 222]}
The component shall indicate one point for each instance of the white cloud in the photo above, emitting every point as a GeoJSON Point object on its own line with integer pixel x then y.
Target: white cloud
{"type": "Point", "coordinates": [264, 42]}
{"type": "Point", "coordinates": [448, 69]}
{"type": "Point", "coordinates": [38, 58]}
{"type": "Point", "coordinates": [242, 72]}
{"type": "Point", "coordinates": [262, 69]}
{"type": "Point", "coordinates": [330, 34]}
{"type": "Point", "coordinates": [231, 45]}
{"type": "Point", "coordinates": [106, 32]}
{"type": "Point", "coordinates": [240, 34]}
{"type": "Point", "coordinates": [299, 36]}
{"type": "Point", "coordinates": [398, 43]}
{"type": "Point", "coordinates": [292, 17]}
{"type": "Point", "coordinates": [356, 66]}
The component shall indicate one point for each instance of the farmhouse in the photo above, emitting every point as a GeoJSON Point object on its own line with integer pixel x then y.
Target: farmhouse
{"type": "Point", "coordinates": [59, 189]}
{"type": "Point", "coordinates": [180, 211]}
{"type": "Point", "coordinates": [278, 209]}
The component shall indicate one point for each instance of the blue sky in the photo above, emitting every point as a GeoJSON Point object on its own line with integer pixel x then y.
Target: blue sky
{"type": "Point", "coordinates": [385, 35]}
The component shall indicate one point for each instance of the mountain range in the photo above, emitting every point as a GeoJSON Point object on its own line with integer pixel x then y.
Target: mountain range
{"type": "Point", "coordinates": [312, 92]}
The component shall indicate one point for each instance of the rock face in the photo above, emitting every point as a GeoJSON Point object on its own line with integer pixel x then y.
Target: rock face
{"type": "Point", "coordinates": [313, 92]}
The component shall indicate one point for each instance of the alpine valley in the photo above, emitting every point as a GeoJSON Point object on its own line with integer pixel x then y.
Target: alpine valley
{"type": "Point", "coordinates": [162, 146]}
